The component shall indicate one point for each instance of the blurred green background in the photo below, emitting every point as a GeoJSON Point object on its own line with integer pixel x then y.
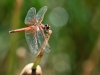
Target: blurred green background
{"type": "Point", "coordinates": [75, 41]}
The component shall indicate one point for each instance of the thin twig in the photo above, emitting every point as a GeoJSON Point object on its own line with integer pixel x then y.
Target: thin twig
{"type": "Point", "coordinates": [40, 54]}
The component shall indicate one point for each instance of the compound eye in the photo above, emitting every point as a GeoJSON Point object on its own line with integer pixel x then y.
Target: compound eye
{"type": "Point", "coordinates": [46, 25]}
{"type": "Point", "coordinates": [43, 27]}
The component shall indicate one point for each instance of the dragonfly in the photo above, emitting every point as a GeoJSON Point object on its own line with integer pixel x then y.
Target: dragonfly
{"type": "Point", "coordinates": [35, 32]}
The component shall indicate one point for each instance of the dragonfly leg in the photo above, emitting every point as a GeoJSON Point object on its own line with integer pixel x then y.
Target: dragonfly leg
{"type": "Point", "coordinates": [42, 31]}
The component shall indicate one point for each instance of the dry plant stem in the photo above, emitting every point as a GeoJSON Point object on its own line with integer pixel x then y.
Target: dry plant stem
{"type": "Point", "coordinates": [15, 22]}
{"type": "Point", "coordinates": [37, 61]}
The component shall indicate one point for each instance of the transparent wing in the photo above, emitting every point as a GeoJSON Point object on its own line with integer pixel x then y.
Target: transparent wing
{"type": "Point", "coordinates": [30, 18]}
{"type": "Point", "coordinates": [47, 48]}
{"type": "Point", "coordinates": [32, 41]}
{"type": "Point", "coordinates": [41, 41]}
{"type": "Point", "coordinates": [40, 14]}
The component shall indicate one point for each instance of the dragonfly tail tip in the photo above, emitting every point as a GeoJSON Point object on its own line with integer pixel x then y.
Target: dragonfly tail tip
{"type": "Point", "coordinates": [11, 31]}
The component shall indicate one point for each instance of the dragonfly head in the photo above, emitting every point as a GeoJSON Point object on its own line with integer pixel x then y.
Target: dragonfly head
{"type": "Point", "coordinates": [46, 28]}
